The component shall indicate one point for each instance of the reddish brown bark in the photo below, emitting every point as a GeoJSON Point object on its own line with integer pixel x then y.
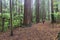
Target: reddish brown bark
{"type": "Point", "coordinates": [27, 12]}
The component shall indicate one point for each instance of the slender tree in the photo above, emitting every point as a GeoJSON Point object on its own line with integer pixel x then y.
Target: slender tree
{"type": "Point", "coordinates": [19, 9]}
{"type": "Point", "coordinates": [48, 10]}
{"type": "Point", "coordinates": [52, 6]}
{"type": "Point", "coordinates": [11, 18]}
{"type": "Point", "coordinates": [2, 17]}
{"type": "Point", "coordinates": [43, 11]}
{"type": "Point", "coordinates": [16, 6]}
{"type": "Point", "coordinates": [37, 12]}
{"type": "Point", "coordinates": [52, 12]}
{"type": "Point", "coordinates": [27, 12]}
{"type": "Point", "coordinates": [57, 8]}
{"type": "Point", "coordinates": [1, 6]}
{"type": "Point", "coordinates": [40, 9]}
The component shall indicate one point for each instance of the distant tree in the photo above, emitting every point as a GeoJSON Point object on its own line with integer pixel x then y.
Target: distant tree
{"type": "Point", "coordinates": [16, 6]}
{"type": "Point", "coordinates": [43, 11]}
{"type": "Point", "coordinates": [37, 12]}
{"type": "Point", "coordinates": [40, 9]}
{"type": "Point", "coordinates": [57, 7]}
{"type": "Point", "coordinates": [52, 12]}
{"type": "Point", "coordinates": [0, 6]}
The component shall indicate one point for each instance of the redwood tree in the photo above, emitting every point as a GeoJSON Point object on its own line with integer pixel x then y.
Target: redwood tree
{"type": "Point", "coordinates": [52, 11]}
{"type": "Point", "coordinates": [27, 12]}
{"type": "Point", "coordinates": [37, 12]}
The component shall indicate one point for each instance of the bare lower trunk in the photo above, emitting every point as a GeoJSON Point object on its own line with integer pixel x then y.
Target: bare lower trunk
{"type": "Point", "coordinates": [37, 12]}
{"type": "Point", "coordinates": [11, 18]}
{"type": "Point", "coordinates": [27, 12]}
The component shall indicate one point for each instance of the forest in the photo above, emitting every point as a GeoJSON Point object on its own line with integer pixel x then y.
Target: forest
{"type": "Point", "coordinates": [29, 19]}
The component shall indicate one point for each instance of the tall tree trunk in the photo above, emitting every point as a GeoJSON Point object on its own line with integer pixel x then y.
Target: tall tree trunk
{"type": "Point", "coordinates": [43, 11]}
{"type": "Point", "coordinates": [40, 10]}
{"type": "Point", "coordinates": [1, 6]}
{"type": "Point", "coordinates": [19, 11]}
{"type": "Point", "coordinates": [16, 6]}
{"type": "Point", "coordinates": [11, 18]}
{"type": "Point", "coordinates": [52, 12]}
{"type": "Point", "coordinates": [48, 10]}
{"type": "Point", "coordinates": [37, 12]}
{"type": "Point", "coordinates": [27, 12]}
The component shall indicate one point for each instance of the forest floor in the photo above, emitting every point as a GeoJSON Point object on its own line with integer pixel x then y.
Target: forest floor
{"type": "Point", "coordinates": [38, 31]}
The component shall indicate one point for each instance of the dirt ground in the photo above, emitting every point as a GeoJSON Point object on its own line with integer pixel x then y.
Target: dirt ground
{"type": "Point", "coordinates": [38, 31]}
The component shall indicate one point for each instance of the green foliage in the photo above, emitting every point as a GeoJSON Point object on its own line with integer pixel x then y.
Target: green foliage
{"type": "Point", "coordinates": [6, 26]}
{"type": "Point", "coordinates": [6, 15]}
{"type": "Point", "coordinates": [57, 15]}
{"type": "Point", "coordinates": [0, 15]}
{"type": "Point", "coordinates": [17, 20]}
{"type": "Point", "coordinates": [16, 23]}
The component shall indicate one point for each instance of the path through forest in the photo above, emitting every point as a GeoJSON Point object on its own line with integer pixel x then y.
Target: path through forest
{"type": "Point", "coordinates": [38, 31]}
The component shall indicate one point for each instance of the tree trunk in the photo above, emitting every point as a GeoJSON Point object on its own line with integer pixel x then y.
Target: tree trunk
{"type": "Point", "coordinates": [48, 10]}
{"type": "Point", "coordinates": [52, 6]}
{"type": "Point", "coordinates": [11, 18]}
{"type": "Point", "coordinates": [0, 6]}
{"type": "Point", "coordinates": [27, 12]}
{"type": "Point", "coordinates": [43, 11]}
{"type": "Point", "coordinates": [52, 11]}
{"type": "Point", "coordinates": [2, 17]}
{"type": "Point", "coordinates": [16, 7]}
{"type": "Point", "coordinates": [37, 12]}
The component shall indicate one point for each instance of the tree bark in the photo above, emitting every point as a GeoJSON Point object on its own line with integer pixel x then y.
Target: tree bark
{"type": "Point", "coordinates": [52, 6]}
{"type": "Point", "coordinates": [37, 12]}
{"type": "Point", "coordinates": [2, 17]}
{"type": "Point", "coordinates": [27, 12]}
{"type": "Point", "coordinates": [52, 11]}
